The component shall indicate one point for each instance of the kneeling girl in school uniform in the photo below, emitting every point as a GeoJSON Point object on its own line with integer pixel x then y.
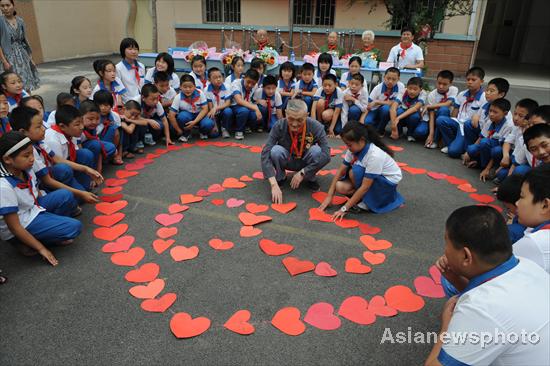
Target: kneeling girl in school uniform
{"type": "Point", "coordinates": [368, 175]}
{"type": "Point", "coordinates": [29, 220]}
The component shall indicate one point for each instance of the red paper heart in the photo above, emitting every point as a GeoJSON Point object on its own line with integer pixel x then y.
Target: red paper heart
{"type": "Point", "coordinates": [249, 219]}
{"type": "Point", "coordinates": [355, 309]}
{"type": "Point", "coordinates": [324, 269]}
{"type": "Point", "coordinates": [255, 208]}
{"type": "Point", "coordinates": [321, 315]}
{"type": "Point", "coordinates": [149, 291]}
{"type": "Point", "coordinates": [401, 164]}
{"type": "Point", "coordinates": [160, 245]}
{"type": "Point", "coordinates": [152, 156]}
{"type": "Point", "coordinates": [112, 198]}
{"type": "Point", "coordinates": [374, 258]}
{"type": "Point", "coordinates": [219, 244]}
{"type": "Point", "coordinates": [256, 149]}
{"type": "Point", "coordinates": [249, 231]}
{"type": "Point", "coordinates": [270, 247]}
{"type": "Point", "coordinates": [467, 187]}
{"type": "Point", "coordinates": [413, 171]}
{"type": "Point", "coordinates": [108, 208]}
{"type": "Point", "coordinates": [234, 202]}
{"type": "Point", "coordinates": [112, 182]}
{"type": "Point", "coordinates": [166, 232]}
{"type": "Point", "coordinates": [134, 166]}
{"type": "Point", "coordinates": [111, 190]}
{"type": "Point", "coordinates": [239, 324]}
{"type": "Point", "coordinates": [455, 181]}
{"type": "Point", "coordinates": [159, 305]}
{"type": "Point", "coordinates": [180, 253]}
{"type": "Point", "coordinates": [184, 326]}
{"type": "Point", "coordinates": [295, 266]}
{"type": "Point", "coordinates": [284, 208]}
{"type": "Point", "coordinates": [372, 244]}
{"type": "Point", "coordinates": [146, 273]}
{"type": "Point", "coordinates": [378, 306]}
{"type": "Point", "coordinates": [426, 287]}
{"type": "Point", "coordinates": [354, 265]}
{"type": "Point", "coordinates": [436, 176]}
{"type": "Point", "coordinates": [395, 148]}
{"type": "Point", "coordinates": [436, 275]}
{"type": "Point", "coordinates": [129, 258]}
{"type": "Point", "coordinates": [287, 320]}
{"type": "Point", "coordinates": [347, 224]}
{"type": "Point", "coordinates": [176, 208]}
{"type": "Point", "coordinates": [370, 230]}
{"type": "Point", "coordinates": [498, 208]}
{"type": "Point", "coordinates": [258, 175]}
{"type": "Point", "coordinates": [189, 198]}
{"type": "Point", "coordinates": [144, 161]}
{"type": "Point", "coordinates": [123, 174]}
{"type": "Point", "coordinates": [482, 198]}
{"type": "Point", "coordinates": [233, 183]}
{"type": "Point", "coordinates": [217, 202]}
{"type": "Point", "coordinates": [401, 298]}
{"type": "Point", "coordinates": [336, 200]}
{"type": "Point", "coordinates": [316, 214]}
{"type": "Point", "coordinates": [110, 233]}
{"type": "Point", "coordinates": [216, 188]}
{"type": "Point", "coordinates": [203, 193]}
{"type": "Point", "coordinates": [161, 151]}
{"type": "Point", "coordinates": [122, 244]}
{"type": "Point", "coordinates": [246, 178]}
{"type": "Point", "coordinates": [109, 220]}
{"type": "Point", "coordinates": [167, 219]}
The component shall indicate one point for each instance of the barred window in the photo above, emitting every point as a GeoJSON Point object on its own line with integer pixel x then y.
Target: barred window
{"type": "Point", "coordinates": [314, 12]}
{"type": "Point", "coordinates": [221, 11]}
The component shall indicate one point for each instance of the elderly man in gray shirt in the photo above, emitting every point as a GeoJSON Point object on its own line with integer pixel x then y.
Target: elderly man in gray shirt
{"type": "Point", "coordinates": [296, 143]}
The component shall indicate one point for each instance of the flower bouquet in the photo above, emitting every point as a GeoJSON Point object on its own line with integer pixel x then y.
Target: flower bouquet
{"type": "Point", "coordinates": [270, 57]}
{"type": "Point", "coordinates": [227, 56]}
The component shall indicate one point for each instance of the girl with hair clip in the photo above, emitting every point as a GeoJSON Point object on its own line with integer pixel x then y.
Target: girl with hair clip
{"type": "Point", "coordinates": [368, 174]}
{"type": "Point", "coordinates": [108, 80]}
{"type": "Point", "coordinates": [198, 65]}
{"type": "Point", "coordinates": [237, 71]}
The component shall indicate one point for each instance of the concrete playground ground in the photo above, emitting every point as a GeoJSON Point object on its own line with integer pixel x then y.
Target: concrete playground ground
{"type": "Point", "coordinates": [81, 312]}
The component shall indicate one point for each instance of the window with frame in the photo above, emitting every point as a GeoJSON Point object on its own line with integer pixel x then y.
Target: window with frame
{"type": "Point", "coordinates": [221, 11]}
{"type": "Point", "coordinates": [314, 13]}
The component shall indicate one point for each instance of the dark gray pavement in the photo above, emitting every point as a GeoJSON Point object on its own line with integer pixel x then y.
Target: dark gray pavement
{"type": "Point", "coordinates": [81, 313]}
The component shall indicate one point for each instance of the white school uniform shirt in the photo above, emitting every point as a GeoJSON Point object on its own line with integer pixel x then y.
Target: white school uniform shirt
{"type": "Point", "coordinates": [484, 119]}
{"type": "Point", "coordinates": [336, 99]}
{"type": "Point", "coordinates": [362, 101]}
{"type": "Point", "coordinates": [376, 162]}
{"type": "Point", "coordinates": [198, 82]}
{"type": "Point", "coordinates": [282, 87]}
{"type": "Point", "coordinates": [150, 78]}
{"type": "Point", "coordinates": [405, 101]}
{"type": "Point", "coordinates": [51, 120]}
{"type": "Point", "coordinates": [469, 105]}
{"type": "Point", "coordinates": [319, 79]}
{"type": "Point", "coordinates": [117, 88]}
{"type": "Point", "coordinates": [535, 245]}
{"type": "Point", "coordinates": [434, 97]}
{"type": "Point", "coordinates": [513, 302]}
{"type": "Point", "coordinates": [156, 112]}
{"type": "Point", "coordinates": [58, 143]}
{"type": "Point", "coordinates": [302, 86]}
{"type": "Point", "coordinates": [223, 95]}
{"type": "Point", "coordinates": [229, 80]}
{"type": "Point", "coordinates": [346, 77]}
{"type": "Point", "coordinates": [237, 87]}
{"type": "Point", "coordinates": [181, 103]}
{"type": "Point", "coordinates": [12, 102]}
{"type": "Point", "coordinates": [40, 166]}
{"type": "Point", "coordinates": [412, 56]}
{"type": "Point", "coordinates": [276, 100]}
{"type": "Point", "coordinates": [127, 76]}
{"type": "Point", "coordinates": [19, 200]}
{"type": "Point", "coordinates": [499, 133]}
{"type": "Point", "coordinates": [378, 91]}
{"type": "Point", "coordinates": [169, 95]}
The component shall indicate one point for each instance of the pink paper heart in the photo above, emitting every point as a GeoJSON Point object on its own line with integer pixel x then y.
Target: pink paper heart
{"type": "Point", "coordinates": [203, 193]}
{"type": "Point", "coordinates": [426, 287]}
{"type": "Point", "coordinates": [324, 269]}
{"type": "Point", "coordinates": [234, 202]}
{"type": "Point", "coordinates": [321, 315]}
{"type": "Point", "coordinates": [216, 188]}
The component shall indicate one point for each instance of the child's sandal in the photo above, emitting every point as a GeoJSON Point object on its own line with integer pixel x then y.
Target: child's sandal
{"type": "Point", "coordinates": [117, 161]}
{"type": "Point", "coordinates": [128, 155]}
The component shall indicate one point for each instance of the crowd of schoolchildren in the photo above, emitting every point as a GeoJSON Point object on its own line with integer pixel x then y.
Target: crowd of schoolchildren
{"type": "Point", "coordinates": [52, 162]}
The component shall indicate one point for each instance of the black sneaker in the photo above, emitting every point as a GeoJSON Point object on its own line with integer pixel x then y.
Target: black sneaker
{"type": "Point", "coordinates": [313, 185]}
{"type": "Point", "coordinates": [281, 182]}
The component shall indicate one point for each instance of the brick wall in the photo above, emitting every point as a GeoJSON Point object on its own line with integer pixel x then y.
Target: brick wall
{"type": "Point", "coordinates": [442, 54]}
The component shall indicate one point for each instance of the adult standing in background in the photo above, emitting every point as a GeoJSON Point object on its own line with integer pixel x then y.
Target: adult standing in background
{"type": "Point", "coordinates": [16, 52]}
{"type": "Point", "coordinates": [332, 45]}
{"type": "Point", "coordinates": [368, 48]}
{"type": "Point", "coordinates": [406, 55]}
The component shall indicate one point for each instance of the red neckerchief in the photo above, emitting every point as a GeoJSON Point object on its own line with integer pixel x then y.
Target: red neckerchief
{"type": "Point", "coordinates": [136, 72]}
{"type": "Point", "coordinates": [469, 100]}
{"type": "Point", "coordinates": [147, 110]}
{"type": "Point", "coordinates": [493, 128]}
{"type": "Point", "coordinates": [356, 96]}
{"type": "Point", "coordinates": [192, 101]}
{"type": "Point", "coordinates": [17, 97]}
{"type": "Point", "coordinates": [5, 128]}
{"type": "Point", "coordinates": [216, 94]}
{"type": "Point", "coordinates": [106, 121]}
{"type": "Point", "coordinates": [286, 87]}
{"type": "Point", "coordinates": [294, 142]}
{"type": "Point", "coordinates": [404, 49]}
{"type": "Point", "coordinates": [247, 95]}
{"type": "Point", "coordinates": [444, 99]}
{"type": "Point", "coordinates": [331, 47]}
{"type": "Point", "coordinates": [328, 97]}
{"type": "Point", "coordinates": [407, 102]}
{"type": "Point", "coordinates": [533, 162]}
{"type": "Point", "coordinates": [28, 185]}
{"type": "Point", "coordinates": [72, 147]}
{"type": "Point", "coordinates": [261, 45]}
{"type": "Point", "coordinates": [387, 94]}
{"type": "Point", "coordinates": [368, 48]}
{"type": "Point", "coordinates": [47, 158]}
{"type": "Point", "coordinates": [90, 136]}
{"type": "Point", "coordinates": [203, 82]}
{"type": "Point", "coordinates": [269, 112]}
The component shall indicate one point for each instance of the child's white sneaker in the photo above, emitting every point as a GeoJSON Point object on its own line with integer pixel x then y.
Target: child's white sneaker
{"type": "Point", "coordinates": [433, 145]}
{"type": "Point", "coordinates": [239, 136]}
{"type": "Point", "coordinates": [183, 139]}
{"type": "Point", "coordinates": [411, 139]}
{"type": "Point", "coordinates": [203, 136]}
{"type": "Point", "coordinates": [445, 150]}
{"type": "Point", "coordinates": [148, 139]}
{"type": "Point", "coordinates": [225, 134]}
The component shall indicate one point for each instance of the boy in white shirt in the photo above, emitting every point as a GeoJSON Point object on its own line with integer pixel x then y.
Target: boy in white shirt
{"type": "Point", "coordinates": [327, 105]}
{"type": "Point", "coordinates": [268, 99]}
{"type": "Point", "coordinates": [438, 103]}
{"type": "Point", "coordinates": [219, 101]}
{"type": "Point", "coordinates": [356, 101]}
